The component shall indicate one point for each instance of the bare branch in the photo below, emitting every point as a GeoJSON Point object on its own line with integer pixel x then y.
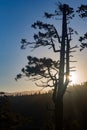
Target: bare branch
{"type": "Point", "coordinates": [74, 47]}
{"type": "Point", "coordinates": [53, 45]}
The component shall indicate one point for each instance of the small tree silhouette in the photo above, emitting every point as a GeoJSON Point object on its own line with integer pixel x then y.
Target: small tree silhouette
{"type": "Point", "coordinates": [52, 73]}
{"type": "Point", "coordinates": [82, 10]}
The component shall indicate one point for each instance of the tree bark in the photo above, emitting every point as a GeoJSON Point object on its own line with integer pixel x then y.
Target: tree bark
{"type": "Point", "coordinates": [59, 114]}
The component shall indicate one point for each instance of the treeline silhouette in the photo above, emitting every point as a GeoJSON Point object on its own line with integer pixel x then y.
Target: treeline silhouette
{"type": "Point", "coordinates": [37, 111]}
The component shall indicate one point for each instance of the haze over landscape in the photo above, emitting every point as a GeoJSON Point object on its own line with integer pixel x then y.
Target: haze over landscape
{"type": "Point", "coordinates": [17, 17]}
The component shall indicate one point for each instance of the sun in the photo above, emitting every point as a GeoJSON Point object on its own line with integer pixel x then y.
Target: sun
{"type": "Point", "coordinates": [73, 77]}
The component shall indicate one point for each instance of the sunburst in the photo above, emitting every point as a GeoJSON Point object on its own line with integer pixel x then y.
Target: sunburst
{"type": "Point", "coordinates": [73, 77]}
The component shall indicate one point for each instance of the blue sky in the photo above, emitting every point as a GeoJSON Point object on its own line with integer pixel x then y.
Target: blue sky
{"type": "Point", "coordinates": [16, 17]}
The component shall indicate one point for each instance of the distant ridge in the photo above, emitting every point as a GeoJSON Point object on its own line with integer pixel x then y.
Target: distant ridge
{"type": "Point", "coordinates": [22, 93]}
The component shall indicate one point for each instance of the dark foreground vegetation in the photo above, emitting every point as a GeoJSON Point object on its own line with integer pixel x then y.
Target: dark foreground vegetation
{"type": "Point", "coordinates": [36, 111]}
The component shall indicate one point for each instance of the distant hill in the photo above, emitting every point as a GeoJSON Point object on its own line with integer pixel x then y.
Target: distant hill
{"type": "Point", "coordinates": [38, 109]}
{"type": "Point", "coordinates": [31, 107]}
{"type": "Point", "coordinates": [22, 93]}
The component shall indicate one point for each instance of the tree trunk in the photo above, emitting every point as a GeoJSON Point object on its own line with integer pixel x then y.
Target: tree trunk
{"type": "Point", "coordinates": [59, 114]}
{"type": "Point", "coordinates": [60, 93]}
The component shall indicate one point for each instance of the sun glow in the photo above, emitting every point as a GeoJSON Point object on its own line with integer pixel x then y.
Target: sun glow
{"type": "Point", "coordinates": [73, 78]}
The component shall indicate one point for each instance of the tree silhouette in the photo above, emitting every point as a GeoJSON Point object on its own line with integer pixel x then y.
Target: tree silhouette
{"type": "Point", "coordinates": [52, 73]}
{"type": "Point", "coordinates": [82, 10]}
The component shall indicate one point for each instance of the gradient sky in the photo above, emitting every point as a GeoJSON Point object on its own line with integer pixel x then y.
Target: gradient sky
{"type": "Point", "coordinates": [16, 17]}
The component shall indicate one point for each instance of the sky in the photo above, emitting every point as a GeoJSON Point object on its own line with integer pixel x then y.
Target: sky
{"type": "Point", "coordinates": [16, 18]}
